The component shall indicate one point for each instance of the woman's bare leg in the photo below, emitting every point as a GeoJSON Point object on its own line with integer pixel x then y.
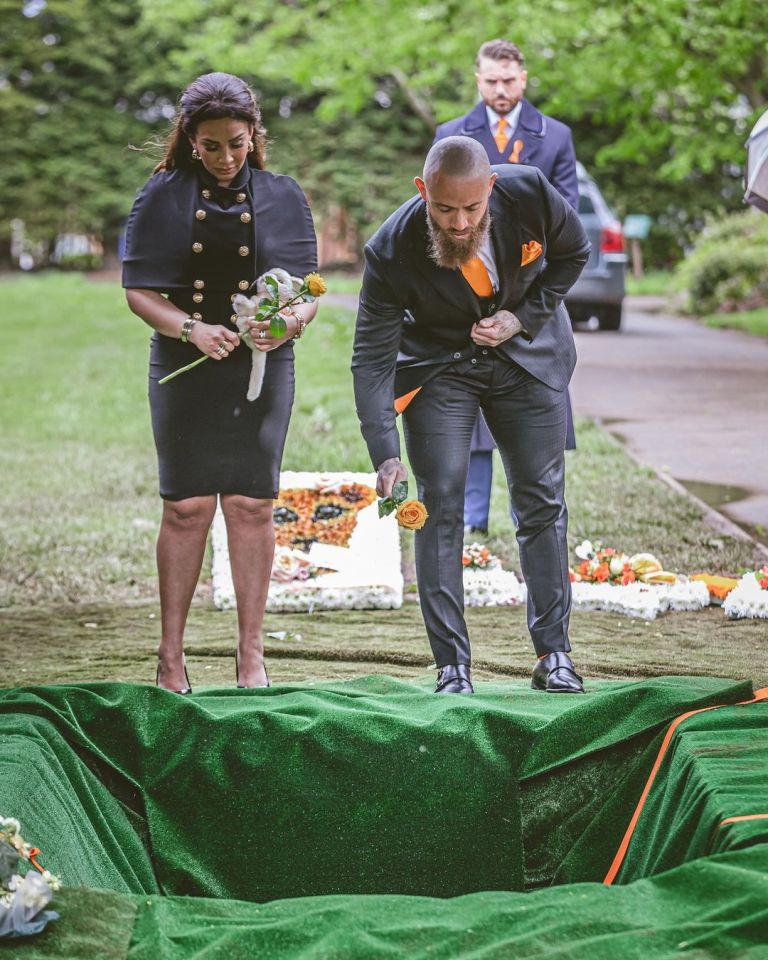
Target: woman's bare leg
{"type": "Point", "coordinates": [180, 551]}
{"type": "Point", "coordinates": [251, 537]}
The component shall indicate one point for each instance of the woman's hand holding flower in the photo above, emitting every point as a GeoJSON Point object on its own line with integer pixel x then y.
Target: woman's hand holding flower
{"type": "Point", "coordinates": [214, 340]}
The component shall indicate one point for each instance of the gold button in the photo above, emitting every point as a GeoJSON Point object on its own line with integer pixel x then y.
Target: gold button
{"type": "Point", "coordinates": [245, 217]}
{"type": "Point", "coordinates": [243, 285]}
{"type": "Point", "coordinates": [197, 248]}
{"type": "Point", "coordinates": [232, 297]}
{"type": "Point", "coordinates": [197, 297]}
{"type": "Point", "coordinates": [233, 318]}
{"type": "Point", "coordinates": [240, 197]}
{"type": "Point", "coordinates": [207, 194]}
{"type": "Point", "coordinates": [197, 316]}
{"type": "Point", "coordinates": [198, 284]}
{"type": "Point", "coordinates": [201, 214]}
{"type": "Point", "coordinates": [243, 251]}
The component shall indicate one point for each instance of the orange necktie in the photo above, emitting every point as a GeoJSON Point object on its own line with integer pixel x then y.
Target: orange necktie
{"type": "Point", "coordinates": [477, 276]}
{"type": "Point", "coordinates": [501, 138]}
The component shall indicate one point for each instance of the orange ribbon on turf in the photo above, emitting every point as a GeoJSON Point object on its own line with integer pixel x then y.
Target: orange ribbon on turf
{"type": "Point", "coordinates": [621, 853]}
{"type": "Point", "coordinates": [35, 852]}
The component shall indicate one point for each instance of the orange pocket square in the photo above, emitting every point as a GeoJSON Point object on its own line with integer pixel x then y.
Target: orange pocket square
{"type": "Point", "coordinates": [531, 252]}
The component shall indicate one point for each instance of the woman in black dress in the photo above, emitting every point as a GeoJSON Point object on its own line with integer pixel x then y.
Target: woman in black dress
{"type": "Point", "coordinates": [208, 223]}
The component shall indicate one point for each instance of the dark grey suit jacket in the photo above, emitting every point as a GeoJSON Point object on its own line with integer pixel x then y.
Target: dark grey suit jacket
{"type": "Point", "coordinates": [415, 317]}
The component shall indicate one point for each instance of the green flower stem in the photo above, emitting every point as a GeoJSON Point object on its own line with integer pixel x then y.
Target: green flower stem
{"type": "Point", "coordinates": [181, 370]}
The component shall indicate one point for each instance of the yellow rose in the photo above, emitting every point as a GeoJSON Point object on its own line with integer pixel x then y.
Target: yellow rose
{"type": "Point", "coordinates": [412, 515]}
{"type": "Point", "coordinates": [315, 284]}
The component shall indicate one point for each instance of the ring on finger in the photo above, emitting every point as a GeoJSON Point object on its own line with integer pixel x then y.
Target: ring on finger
{"type": "Point", "coordinates": [221, 350]}
{"type": "Point", "coordinates": [262, 334]}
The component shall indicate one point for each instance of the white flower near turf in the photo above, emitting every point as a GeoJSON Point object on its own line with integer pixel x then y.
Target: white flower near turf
{"type": "Point", "coordinates": [289, 564]}
{"type": "Point", "coordinates": [492, 587]}
{"type": "Point", "coordinates": [616, 564]}
{"type": "Point", "coordinates": [748, 600]}
{"type": "Point", "coordinates": [638, 599]}
{"type": "Point", "coordinates": [585, 550]}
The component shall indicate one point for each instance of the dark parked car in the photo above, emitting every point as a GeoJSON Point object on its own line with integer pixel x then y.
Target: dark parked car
{"type": "Point", "coordinates": [599, 291]}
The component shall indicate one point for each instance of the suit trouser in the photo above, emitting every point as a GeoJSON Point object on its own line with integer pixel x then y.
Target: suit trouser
{"type": "Point", "coordinates": [528, 420]}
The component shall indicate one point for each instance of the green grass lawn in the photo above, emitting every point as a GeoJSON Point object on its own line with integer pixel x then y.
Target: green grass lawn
{"type": "Point", "coordinates": [653, 283]}
{"type": "Point", "coordinates": [750, 321]}
{"type": "Point", "coordinates": [80, 510]}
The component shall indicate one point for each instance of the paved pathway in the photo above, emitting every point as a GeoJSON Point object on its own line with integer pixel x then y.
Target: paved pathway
{"type": "Point", "coordinates": [685, 398]}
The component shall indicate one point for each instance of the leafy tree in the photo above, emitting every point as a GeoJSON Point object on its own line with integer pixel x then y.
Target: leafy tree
{"type": "Point", "coordinates": [71, 103]}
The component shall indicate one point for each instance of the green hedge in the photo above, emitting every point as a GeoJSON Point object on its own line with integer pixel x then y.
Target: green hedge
{"type": "Point", "coordinates": [727, 270]}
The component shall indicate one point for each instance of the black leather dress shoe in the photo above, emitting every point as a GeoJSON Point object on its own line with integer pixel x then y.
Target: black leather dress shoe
{"type": "Point", "coordinates": [454, 678]}
{"type": "Point", "coordinates": [556, 674]}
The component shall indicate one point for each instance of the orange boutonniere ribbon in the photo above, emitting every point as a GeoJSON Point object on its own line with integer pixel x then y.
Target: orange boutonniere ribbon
{"type": "Point", "coordinates": [531, 252]}
{"type": "Point", "coordinates": [517, 149]}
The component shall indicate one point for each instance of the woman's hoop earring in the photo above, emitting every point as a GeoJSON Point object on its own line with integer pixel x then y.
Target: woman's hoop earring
{"type": "Point", "coordinates": [195, 154]}
{"type": "Point", "coordinates": [251, 146]}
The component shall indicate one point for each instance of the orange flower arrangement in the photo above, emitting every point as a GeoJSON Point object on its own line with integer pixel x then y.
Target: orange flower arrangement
{"type": "Point", "coordinates": [303, 516]}
{"type": "Point", "coordinates": [479, 557]}
{"type": "Point", "coordinates": [608, 565]}
{"type": "Point", "coordinates": [719, 587]}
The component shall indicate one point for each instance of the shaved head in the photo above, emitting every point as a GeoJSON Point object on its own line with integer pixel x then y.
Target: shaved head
{"type": "Point", "coordinates": [460, 157]}
{"type": "Point", "coordinates": [456, 189]}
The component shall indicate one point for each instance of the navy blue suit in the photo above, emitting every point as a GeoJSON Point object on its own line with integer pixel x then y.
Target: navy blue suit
{"type": "Point", "coordinates": [547, 144]}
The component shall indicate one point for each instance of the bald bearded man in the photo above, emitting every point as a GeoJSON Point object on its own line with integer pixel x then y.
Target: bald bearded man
{"type": "Point", "coordinates": [460, 310]}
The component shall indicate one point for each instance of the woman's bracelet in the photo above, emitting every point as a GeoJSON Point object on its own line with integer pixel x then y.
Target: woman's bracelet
{"type": "Point", "coordinates": [186, 328]}
{"type": "Point", "coordinates": [301, 326]}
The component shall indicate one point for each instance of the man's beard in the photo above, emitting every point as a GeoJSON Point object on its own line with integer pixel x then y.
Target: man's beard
{"type": "Point", "coordinates": [448, 251]}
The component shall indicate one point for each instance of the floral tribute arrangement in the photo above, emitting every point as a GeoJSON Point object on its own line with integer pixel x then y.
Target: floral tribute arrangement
{"type": "Point", "coordinates": [275, 290]}
{"type": "Point", "coordinates": [22, 898]}
{"type": "Point", "coordinates": [304, 516]}
{"type": "Point", "coordinates": [332, 552]}
{"type": "Point", "coordinates": [486, 584]}
{"type": "Point", "coordinates": [749, 598]}
{"type": "Point", "coordinates": [607, 565]}
{"type": "Point", "coordinates": [636, 585]}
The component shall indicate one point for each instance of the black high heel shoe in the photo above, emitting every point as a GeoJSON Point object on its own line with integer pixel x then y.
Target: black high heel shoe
{"type": "Point", "coordinates": [185, 691]}
{"type": "Point", "coordinates": [242, 686]}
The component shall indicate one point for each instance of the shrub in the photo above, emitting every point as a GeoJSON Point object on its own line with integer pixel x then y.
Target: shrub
{"type": "Point", "coordinates": [81, 261]}
{"type": "Point", "coordinates": [727, 270]}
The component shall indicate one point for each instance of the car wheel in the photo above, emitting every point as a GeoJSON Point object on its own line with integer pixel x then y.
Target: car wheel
{"type": "Point", "coordinates": [610, 316]}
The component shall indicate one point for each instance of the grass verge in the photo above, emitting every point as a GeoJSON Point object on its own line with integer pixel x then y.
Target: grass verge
{"type": "Point", "coordinates": [657, 283]}
{"type": "Point", "coordinates": [749, 321]}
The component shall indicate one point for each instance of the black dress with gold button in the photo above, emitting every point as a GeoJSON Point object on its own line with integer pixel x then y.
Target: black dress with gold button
{"type": "Point", "coordinates": [200, 244]}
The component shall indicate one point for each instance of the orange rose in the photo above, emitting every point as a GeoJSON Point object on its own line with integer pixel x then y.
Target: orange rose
{"type": "Point", "coordinates": [412, 515]}
{"type": "Point", "coordinates": [602, 573]}
{"type": "Point", "coordinates": [315, 284]}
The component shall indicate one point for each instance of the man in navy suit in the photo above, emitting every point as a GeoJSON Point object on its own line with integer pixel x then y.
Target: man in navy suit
{"type": "Point", "coordinates": [512, 131]}
{"type": "Point", "coordinates": [461, 309]}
